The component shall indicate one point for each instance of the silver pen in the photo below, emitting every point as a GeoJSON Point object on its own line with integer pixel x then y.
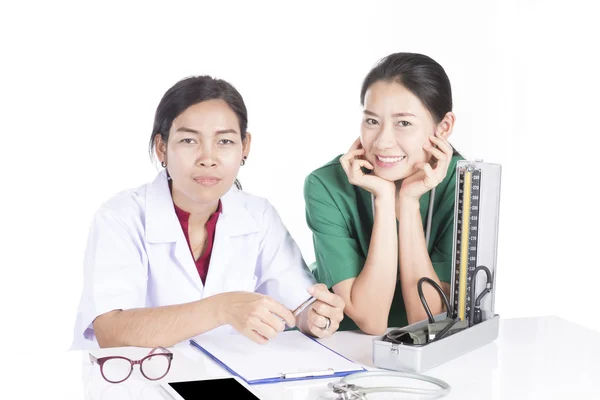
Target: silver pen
{"type": "Point", "coordinates": [303, 306]}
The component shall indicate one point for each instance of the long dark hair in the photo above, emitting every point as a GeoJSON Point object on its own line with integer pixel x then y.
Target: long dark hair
{"type": "Point", "coordinates": [194, 90]}
{"type": "Point", "coordinates": [420, 74]}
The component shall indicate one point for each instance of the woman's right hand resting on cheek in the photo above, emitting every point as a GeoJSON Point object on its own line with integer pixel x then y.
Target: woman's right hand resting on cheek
{"type": "Point", "coordinates": [352, 162]}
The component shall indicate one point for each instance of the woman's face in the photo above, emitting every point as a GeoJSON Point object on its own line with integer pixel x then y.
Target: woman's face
{"type": "Point", "coordinates": [203, 153]}
{"type": "Point", "coordinates": [395, 128]}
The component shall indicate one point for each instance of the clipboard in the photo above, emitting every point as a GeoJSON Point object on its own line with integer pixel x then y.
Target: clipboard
{"type": "Point", "coordinates": [290, 356]}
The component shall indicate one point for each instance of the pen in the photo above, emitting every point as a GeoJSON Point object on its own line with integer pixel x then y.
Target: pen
{"type": "Point", "coordinates": [307, 374]}
{"type": "Point", "coordinates": [303, 306]}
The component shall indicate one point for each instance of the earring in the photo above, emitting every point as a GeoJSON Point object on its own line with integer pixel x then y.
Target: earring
{"type": "Point", "coordinates": [163, 164]}
{"type": "Point", "coordinates": [243, 161]}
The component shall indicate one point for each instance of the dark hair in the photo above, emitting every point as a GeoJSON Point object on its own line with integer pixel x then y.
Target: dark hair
{"type": "Point", "coordinates": [194, 90]}
{"type": "Point", "coordinates": [420, 74]}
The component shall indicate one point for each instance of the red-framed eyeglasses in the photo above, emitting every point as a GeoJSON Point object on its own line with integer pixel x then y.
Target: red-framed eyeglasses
{"type": "Point", "coordinates": [116, 369]}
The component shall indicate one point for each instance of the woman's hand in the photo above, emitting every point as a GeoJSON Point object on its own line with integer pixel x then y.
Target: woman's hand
{"type": "Point", "coordinates": [352, 162]}
{"type": "Point", "coordinates": [322, 318]}
{"type": "Point", "coordinates": [256, 316]}
{"type": "Point", "coordinates": [427, 177]}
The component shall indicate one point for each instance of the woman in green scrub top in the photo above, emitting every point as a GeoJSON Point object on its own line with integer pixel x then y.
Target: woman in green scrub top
{"type": "Point", "coordinates": [369, 209]}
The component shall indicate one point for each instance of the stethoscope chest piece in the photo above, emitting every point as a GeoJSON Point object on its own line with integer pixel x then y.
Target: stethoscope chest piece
{"type": "Point", "coordinates": [347, 391]}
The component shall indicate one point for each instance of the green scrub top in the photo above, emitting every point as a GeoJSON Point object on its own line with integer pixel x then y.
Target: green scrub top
{"type": "Point", "coordinates": [340, 217]}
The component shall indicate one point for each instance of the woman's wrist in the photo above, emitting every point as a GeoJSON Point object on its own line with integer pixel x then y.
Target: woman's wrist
{"type": "Point", "coordinates": [220, 308]}
{"type": "Point", "coordinates": [384, 201]}
{"type": "Point", "coordinates": [406, 204]}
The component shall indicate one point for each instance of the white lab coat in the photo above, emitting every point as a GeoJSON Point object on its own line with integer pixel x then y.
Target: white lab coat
{"type": "Point", "coordinates": [137, 256]}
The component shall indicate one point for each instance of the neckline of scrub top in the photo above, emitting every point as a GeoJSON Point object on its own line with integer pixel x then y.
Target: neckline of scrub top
{"type": "Point", "coordinates": [184, 216]}
{"type": "Point", "coordinates": [203, 261]}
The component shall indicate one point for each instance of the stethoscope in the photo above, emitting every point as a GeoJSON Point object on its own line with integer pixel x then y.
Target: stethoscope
{"type": "Point", "coordinates": [348, 391]}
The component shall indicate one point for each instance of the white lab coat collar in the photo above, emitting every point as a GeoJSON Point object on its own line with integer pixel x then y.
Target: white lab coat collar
{"type": "Point", "coordinates": [162, 225]}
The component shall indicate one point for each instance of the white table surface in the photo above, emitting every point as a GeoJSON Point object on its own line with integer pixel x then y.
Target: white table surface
{"type": "Point", "coordinates": [533, 358]}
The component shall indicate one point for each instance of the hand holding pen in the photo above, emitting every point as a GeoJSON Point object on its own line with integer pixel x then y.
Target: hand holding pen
{"type": "Point", "coordinates": [256, 316]}
{"type": "Point", "coordinates": [320, 315]}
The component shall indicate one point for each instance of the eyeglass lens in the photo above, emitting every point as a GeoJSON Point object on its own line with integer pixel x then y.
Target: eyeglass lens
{"type": "Point", "coordinates": [116, 369]}
{"type": "Point", "coordinates": [155, 366]}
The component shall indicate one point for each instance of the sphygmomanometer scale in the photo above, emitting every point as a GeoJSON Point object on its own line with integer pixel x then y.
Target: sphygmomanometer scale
{"type": "Point", "coordinates": [476, 214]}
{"type": "Point", "coordinates": [466, 238]}
{"type": "Point", "coordinates": [476, 239]}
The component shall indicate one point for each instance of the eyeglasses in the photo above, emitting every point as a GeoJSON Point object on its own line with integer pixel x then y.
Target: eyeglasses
{"type": "Point", "coordinates": [154, 366]}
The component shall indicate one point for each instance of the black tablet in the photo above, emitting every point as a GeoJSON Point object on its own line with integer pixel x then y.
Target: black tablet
{"type": "Point", "coordinates": [230, 388]}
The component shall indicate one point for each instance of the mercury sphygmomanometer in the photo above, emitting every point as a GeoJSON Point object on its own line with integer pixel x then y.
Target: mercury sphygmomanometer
{"type": "Point", "coordinates": [470, 320]}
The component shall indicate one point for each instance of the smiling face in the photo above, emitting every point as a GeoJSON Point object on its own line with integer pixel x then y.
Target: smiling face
{"type": "Point", "coordinates": [203, 153]}
{"type": "Point", "coordinates": [395, 127]}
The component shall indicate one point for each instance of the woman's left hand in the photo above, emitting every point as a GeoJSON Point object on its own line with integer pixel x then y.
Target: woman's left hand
{"type": "Point", "coordinates": [322, 318]}
{"type": "Point", "coordinates": [427, 177]}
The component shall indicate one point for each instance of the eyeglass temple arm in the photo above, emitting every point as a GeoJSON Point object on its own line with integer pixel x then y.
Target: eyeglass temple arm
{"type": "Point", "coordinates": [154, 350]}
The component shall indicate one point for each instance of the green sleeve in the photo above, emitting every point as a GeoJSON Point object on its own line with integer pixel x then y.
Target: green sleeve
{"type": "Point", "coordinates": [441, 254]}
{"type": "Point", "coordinates": [338, 255]}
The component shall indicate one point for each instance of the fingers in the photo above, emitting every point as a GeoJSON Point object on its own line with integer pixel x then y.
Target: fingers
{"type": "Point", "coordinates": [443, 144]}
{"type": "Point", "coordinates": [355, 173]}
{"type": "Point", "coordinates": [352, 166]}
{"type": "Point", "coordinates": [320, 292]}
{"type": "Point", "coordinates": [328, 305]}
{"type": "Point", "coordinates": [263, 329]}
{"type": "Point", "coordinates": [419, 173]}
{"type": "Point", "coordinates": [355, 150]}
{"type": "Point", "coordinates": [350, 156]}
{"type": "Point", "coordinates": [264, 323]}
{"type": "Point", "coordinates": [262, 318]}
{"type": "Point", "coordinates": [443, 154]}
{"type": "Point", "coordinates": [320, 308]}
{"type": "Point", "coordinates": [420, 165]}
{"type": "Point", "coordinates": [317, 323]}
{"type": "Point", "coordinates": [427, 174]}
{"type": "Point", "coordinates": [431, 179]}
{"type": "Point", "coordinates": [280, 311]}
{"type": "Point", "coordinates": [347, 159]}
{"type": "Point", "coordinates": [270, 319]}
{"type": "Point", "coordinates": [437, 153]}
{"type": "Point", "coordinates": [317, 319]}
{"type": "Point", "coordinates": [256, 337]}
{"type": "Point", "coordinates": [357, 164]}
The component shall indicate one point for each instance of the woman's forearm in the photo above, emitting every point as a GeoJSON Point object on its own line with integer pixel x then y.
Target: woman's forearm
{"type": "Point", "coordinates": [158, 326]}
{"type": "Point", "coordinates": [373, 290]}
{"type": "Point", "coordinates": [415, 263]}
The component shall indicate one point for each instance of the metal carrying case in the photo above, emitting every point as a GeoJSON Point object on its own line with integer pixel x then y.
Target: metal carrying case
{"type": "Point", "coordinates": [402, 357]}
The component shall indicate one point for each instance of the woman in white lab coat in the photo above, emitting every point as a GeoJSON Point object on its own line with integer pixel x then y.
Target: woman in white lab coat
{"type": "Point", "coordinates": [191, 252]}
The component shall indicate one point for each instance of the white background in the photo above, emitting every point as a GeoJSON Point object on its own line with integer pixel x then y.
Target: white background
{"type": "Point", "coordinates": [80, 83]}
